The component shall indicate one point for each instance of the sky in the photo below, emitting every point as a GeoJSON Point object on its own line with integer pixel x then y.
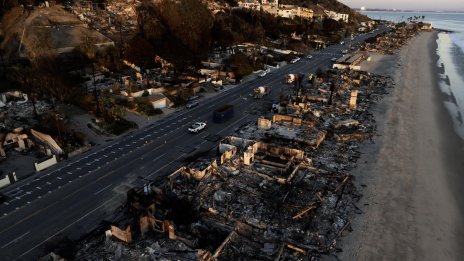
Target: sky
{"type": "Point", "coordinates": [419, 5]}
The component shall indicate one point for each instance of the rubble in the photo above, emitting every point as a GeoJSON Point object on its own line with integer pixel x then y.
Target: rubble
{"type": "Point", "coordinates": [279, 189]}
{"type": "Point", "coordinates": [389, 42]}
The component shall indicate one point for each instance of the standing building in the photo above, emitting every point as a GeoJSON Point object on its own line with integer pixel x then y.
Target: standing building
{"type": "Point", "coordinates": [337, 16]}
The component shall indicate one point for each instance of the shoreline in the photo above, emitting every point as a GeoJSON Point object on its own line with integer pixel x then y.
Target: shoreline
{"type": "Point", "coordinates": [411, 207]}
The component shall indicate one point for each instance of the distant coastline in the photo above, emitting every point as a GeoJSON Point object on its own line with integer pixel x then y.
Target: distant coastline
{"type": "Point", "coordinates": [406, 11]}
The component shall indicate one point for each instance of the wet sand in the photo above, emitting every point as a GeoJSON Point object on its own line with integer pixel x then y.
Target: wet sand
{"type": "Point", "coordinates": [413, 174]}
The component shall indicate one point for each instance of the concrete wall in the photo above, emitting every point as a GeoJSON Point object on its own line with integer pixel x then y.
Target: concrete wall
{"type": "Point", "coordinates": [286, 119]}
{"type": "Point", "coordinates": [160, 104]}
{"type": "Point", "coordinates": [353, 98]}
{"type": "Point", "coordinates": [7, 180]}
{"type": "Point", "coordinates": [124, 235]}
{"type": "Point", "coordinates": [45, 164]}
{"type": "Point", "coordinates": [264, 124]}
{"type": "Point", "coordinates": [276, 150]}
{"type": "Point", "coordinates": [238, 142]}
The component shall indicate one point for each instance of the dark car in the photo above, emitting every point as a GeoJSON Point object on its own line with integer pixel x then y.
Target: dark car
{"type": "Point", "coordinates": [192, 104]}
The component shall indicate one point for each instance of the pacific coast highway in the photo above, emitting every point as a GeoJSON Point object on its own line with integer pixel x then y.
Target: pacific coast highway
{"type": "Point", "coordinates": [73, 197]}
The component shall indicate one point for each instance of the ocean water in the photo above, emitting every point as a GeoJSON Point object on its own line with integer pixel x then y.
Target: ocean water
{"type": "Point", "coordinates": [451, 57]}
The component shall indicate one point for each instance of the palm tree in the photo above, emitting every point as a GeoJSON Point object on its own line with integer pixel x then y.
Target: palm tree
{"type": "Point", "coordinates": [88, 48]}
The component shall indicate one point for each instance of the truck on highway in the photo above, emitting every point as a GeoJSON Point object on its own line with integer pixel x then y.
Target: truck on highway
{"type": "Point", "coordinates": [223, 114]}
{"type": "Point", "coordinates": [261, 91]}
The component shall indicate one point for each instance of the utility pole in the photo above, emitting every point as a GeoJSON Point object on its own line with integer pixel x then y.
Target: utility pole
{"type": "Point", "coordinates": [21, 42]}
{"type": "Point", "coordinates": [95, 93]}
{"type": "Point", "coordinates": [2, 60]}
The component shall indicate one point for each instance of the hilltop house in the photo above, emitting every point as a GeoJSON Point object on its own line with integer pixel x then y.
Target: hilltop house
{"type": "Point", "coordinates": [273, 7]}
{"type": "Point", "coordinates": [337, 16]}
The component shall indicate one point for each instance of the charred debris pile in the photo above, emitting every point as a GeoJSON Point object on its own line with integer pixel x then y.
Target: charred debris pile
{"type": "Point", "coordinates": [278, 189]}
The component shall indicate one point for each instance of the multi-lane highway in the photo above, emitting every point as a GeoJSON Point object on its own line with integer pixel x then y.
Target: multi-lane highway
{"type": "Point", "coordinates": [74, 196]}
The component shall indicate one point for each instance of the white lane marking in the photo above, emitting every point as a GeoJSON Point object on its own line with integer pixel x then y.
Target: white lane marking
{"type": "Point", "coordinates": [199, 145]}
{"type": "Point", "coordinates": [233, 123]}
{"type": "Point", "coordinates": [61, 231]}
{"type": "Point", "coordinates": [157, 158]}
{"type": "Point", "coordinates": [153, 173]}
{"type": "Point", "coordinates": [16, 239]}
{"type": "Point", "coordinates": [101, 190]}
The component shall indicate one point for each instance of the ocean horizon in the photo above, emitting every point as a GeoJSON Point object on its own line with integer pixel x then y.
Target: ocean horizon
{"type": "Point", "coordinates": [450, 50]}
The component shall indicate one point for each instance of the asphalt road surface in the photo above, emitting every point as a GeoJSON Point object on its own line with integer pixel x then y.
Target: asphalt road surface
{"type": "Point", "coordinates": [74, 196]}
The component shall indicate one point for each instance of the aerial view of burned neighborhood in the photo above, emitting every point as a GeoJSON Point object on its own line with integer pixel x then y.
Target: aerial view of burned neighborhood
{"type": "Point", "coordinates": [228, 130]}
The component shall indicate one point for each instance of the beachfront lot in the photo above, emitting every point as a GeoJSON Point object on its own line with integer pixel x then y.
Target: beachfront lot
{"type": "Point", "coordinates": [413, 173]}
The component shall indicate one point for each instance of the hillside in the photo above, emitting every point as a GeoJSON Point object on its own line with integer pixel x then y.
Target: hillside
{"type": "Point", "coordinates": [184, 32]}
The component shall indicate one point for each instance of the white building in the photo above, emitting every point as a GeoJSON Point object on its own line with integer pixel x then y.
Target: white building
{"type": "Point", "coordinates": [286, 12]}
{"type": "Point", "coordinates": [250, 4]}
{"type": "Point", "coordinates": [337, 16]}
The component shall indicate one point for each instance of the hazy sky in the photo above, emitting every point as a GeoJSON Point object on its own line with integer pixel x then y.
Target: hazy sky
{"type": "Point", "coordinates": [438, 5]}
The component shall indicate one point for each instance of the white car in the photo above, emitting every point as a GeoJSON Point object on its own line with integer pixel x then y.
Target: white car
{"type": "Point", "coordinates": [261, 75]}
{"type": "Point", "coordinates": [295, 60]}
{"type": "Point", "coordinates": [197, 126]}
{"type": "Point", "coordinates": [309, 57]}
{"type": "Point", "coordinates": [333, 59]}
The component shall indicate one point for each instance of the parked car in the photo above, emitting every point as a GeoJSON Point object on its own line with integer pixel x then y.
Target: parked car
{"type": "Point", "coordinates": [264, 73]}
{"type": "Point", "coordinates": [192, 98]}
{"type": "Point", "coordinates": [295, 60]}
{"type": "Point", "coordinates": [197, 127]}
{"type": "Point", "coordinates": [192, 104]}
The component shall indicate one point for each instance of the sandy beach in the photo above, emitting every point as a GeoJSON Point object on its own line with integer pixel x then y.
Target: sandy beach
{"type": "Point", "coordinates": [412, 177]}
